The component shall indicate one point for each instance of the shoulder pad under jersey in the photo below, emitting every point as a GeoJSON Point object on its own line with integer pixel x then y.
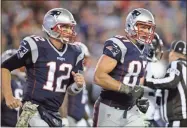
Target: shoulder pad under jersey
{"type": "Point", "coordinates": [121, 45]}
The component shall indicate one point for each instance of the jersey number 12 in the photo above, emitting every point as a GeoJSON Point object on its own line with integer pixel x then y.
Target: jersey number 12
{"type": "Point", "coordinates": [59, 80]}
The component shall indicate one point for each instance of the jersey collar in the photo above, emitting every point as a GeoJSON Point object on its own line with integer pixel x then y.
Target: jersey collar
{"type": "Point", "coordinates": [61, 53]}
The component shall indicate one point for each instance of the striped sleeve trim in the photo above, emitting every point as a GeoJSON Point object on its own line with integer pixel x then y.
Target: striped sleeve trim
{"type": "Point", "coordinates": [122, 47]}
{"type": "Point", "coordinates": [34, 48]}
{"type": "Point", "coordinates": [172, 71]}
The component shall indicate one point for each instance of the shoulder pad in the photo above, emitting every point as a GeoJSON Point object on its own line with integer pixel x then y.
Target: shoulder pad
{"type": "Point", "coordinates": [122, 38]}
{"type": "Point", "coordinates": [83, 48]}
{"type": "Point", "coordinates": [38, 38]}
{"type": "Point", "coordinates": [78, 50]}
{"type": "Point", "coordinates": [121, 45]}
{"type": "Point", "coordinates": [76, 47]}
{"type": "Point", "coordinates": [33, 47]}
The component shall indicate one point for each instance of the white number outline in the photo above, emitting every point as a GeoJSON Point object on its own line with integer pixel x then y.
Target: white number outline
{"type": "Point", "coordinates": [51, 77]}
{"type": "Point", "coordinates": [132, 73]}
{"type": "Point", "coordinates": [38, 38]}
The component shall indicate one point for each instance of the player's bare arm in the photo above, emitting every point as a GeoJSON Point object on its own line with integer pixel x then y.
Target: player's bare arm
{"type": "Point", "coordinates": [11, 101]}
{"type": "Point", "coordinates": [103, 79]}
{"type": "Point", "coordinates": [22, 55]}
{"type": "Point", "coordinates": [104, 66]}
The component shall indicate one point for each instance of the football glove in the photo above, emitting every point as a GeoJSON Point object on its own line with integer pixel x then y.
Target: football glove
{"type": "Point", "coordinates": [142, 104]}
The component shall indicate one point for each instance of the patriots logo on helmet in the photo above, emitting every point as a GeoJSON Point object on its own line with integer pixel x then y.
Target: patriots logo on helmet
{"type": "Point", "coordinates": [55, 13]}
{"type": "Point", "coordinates": [135, 13]}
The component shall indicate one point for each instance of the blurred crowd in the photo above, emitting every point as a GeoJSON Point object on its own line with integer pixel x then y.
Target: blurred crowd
{"type": "Point", "coordinates": [96, 22]}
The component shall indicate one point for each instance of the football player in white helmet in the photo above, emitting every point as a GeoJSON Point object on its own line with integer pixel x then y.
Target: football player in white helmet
{"type": "Point", "coordinates": [136, 23]}
{"type": "Point", "coordinates": [60, 24]}
{"type": "Point", "coordinates": [120, 70]}
{"type": "Point", "coordinates": [52, 65]}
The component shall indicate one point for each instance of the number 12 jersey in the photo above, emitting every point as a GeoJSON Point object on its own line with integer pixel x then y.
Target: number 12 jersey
{"type": "Point", "coordinates": [48, 70]}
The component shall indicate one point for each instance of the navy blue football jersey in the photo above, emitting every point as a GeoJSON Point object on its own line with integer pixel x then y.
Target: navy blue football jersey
{"type": "Point", "coordinates": [48, 70]}
{"type": "Point", "coordinates": [131, 62]}
{"type": "Point", "coordinates": [9, 116]}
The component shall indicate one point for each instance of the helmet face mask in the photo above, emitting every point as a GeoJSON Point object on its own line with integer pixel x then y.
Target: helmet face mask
{"type": "Point", "coordinates": [140, 25]}
{"type": "Point", "coordinates": [144, 32]}
{"type": "Point", "coordinates": [66, 32]}
{"type": "Point", "coordinates": [54, 23]}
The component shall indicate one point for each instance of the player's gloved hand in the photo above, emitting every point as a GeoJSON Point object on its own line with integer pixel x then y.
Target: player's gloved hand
{"type": "Point", "coordinates": [79, 79]}
{"type": "Point", "coordinates": [137, 91]}
{"type": "Point", "coordinates": [12, 102]}
{"type": "Point", "coordinates": [142, 104]}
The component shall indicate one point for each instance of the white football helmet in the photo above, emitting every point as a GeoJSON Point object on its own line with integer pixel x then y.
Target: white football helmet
{"type": "Point", "coordinates": [140, 16]}
{"type": "Point", "coordinates": [54, 19]}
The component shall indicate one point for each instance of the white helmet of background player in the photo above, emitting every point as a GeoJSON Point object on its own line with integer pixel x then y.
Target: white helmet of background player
{"type": "Point", "coordinates": [143, 17]}
{"type": "Point", "coordinates": [17, 72]}
{"type": "Point", "coordinates": [54, 19]}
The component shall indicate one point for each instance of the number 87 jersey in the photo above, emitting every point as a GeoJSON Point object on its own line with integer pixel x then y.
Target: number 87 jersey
{"type": "Point", "coordinates": [48, 70]}
{"type": "Point", "coordinates": [131, 62]}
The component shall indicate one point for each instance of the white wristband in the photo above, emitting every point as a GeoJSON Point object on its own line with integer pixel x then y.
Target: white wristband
{"type": "Point", "coordinates": [75, 89]}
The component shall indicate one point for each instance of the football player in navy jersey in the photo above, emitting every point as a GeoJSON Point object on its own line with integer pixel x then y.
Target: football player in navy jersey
{"type": "Point", "coordinates": [52, 65]}
{"type": "Point", "coordinates": [9, 116]}
{"type": "Point", "coordinates": [120, 71]}
{"type": "Point", "coordinates": [149, 104]}
{"type": "Point", "coordinates": [76, 105]}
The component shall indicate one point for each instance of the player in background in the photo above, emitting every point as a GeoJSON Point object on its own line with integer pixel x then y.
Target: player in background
{"type": "Point", "coordinates": [9, 116]}
{"type": "Point", "coordinates": [120, 70]}
{"type": "Point", "coordinates": [75, 109]}
{"type": "Point", "coordinates": [173, 86]}
{"type": "Point", "coordinates": [52, 65]}
{"type": "Point", "coordinates": [149, 104]}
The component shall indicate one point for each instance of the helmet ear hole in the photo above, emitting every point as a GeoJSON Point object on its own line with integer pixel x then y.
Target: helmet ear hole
{"type": "Point", "coordinates": [129, 25]}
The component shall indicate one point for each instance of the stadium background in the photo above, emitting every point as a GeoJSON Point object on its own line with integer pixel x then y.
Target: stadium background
{"type": "Point", "coordinates": [96, 21]}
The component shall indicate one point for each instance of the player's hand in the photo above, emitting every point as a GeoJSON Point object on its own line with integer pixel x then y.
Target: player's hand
{"type": "Point", "coordinates": [142, 104]}
{"type": "Point", "coordinates": [79, 79]}
{"type": "Point", "coordinates": [138, 91]}
{"type": "Point", "coordinates": [12, 102]}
